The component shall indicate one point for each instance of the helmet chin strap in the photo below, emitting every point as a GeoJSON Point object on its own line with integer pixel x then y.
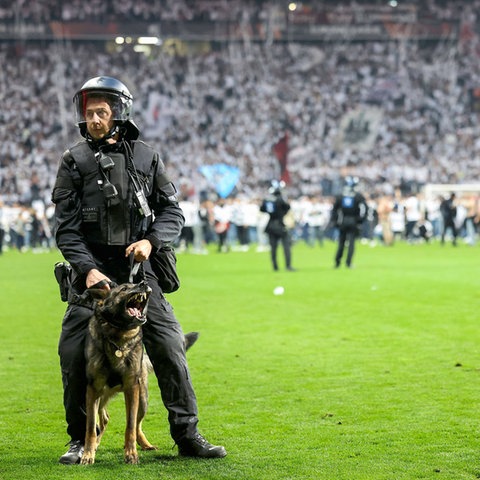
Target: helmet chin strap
{"type": "Point", "coordinates": [113, 131]}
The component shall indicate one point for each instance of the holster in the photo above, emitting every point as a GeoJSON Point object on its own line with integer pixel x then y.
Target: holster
{"type": "Point", "coordinates": [63, 275]}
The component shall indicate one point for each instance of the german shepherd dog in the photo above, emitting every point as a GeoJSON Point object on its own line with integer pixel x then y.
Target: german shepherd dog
{"type": "Point", "coordinates": [116, 362]}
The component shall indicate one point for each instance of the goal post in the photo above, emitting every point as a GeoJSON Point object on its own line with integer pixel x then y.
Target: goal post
{"type": "Point", "coordinates": [432, 190]}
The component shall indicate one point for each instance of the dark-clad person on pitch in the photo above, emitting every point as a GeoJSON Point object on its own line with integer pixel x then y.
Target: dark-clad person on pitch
{"type": "Point", "coordinates": [276, 205]}
{"type": "Point", "coordinates": [348, 212]}
{"type": "Point", "coordinates": [113, 199]}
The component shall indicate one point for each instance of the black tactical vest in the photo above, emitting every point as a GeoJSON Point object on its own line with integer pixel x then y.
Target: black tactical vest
{"type": "Point", "coordinates": [113, 221]}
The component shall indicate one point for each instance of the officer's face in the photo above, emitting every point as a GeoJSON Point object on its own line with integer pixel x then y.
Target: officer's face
{"type": "Point", "coordinates": [98, 116]}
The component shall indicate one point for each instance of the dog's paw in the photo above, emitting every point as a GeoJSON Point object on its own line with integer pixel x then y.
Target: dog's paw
{"type": "Point", "coordinates": [87, 459]}
{"type": "Point", "coordinates": [149, 447]}
{"type": "Point", "coordinates": [131, 457]}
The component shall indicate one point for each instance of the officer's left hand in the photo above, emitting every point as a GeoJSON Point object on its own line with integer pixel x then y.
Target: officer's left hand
{"type": "Point", "coordinates": [141, 250]}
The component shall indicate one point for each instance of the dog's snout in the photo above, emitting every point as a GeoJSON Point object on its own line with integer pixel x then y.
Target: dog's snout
{"type": "Point", "coordinates": [143, 284]}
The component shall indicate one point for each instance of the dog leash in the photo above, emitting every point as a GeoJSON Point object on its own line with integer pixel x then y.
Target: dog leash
{"type": "Point", "coordinates": [134, 267]}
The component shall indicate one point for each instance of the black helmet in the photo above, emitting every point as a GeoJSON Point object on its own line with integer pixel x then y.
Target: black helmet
{"type": "Point", "coordinates": [117, 95]}
{"type": "Point", "coordinates": [276, 187]}
{"type": "Point", "coordinates": [350, 185]}
{"type": "Point", "coordinates": [351, 181]}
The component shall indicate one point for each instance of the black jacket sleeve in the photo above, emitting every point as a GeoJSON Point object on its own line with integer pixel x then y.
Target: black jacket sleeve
{"type": "Point", "coordinates": [68, 217]}
{"type": "Point", "coordinates": [168, 216]}
{"type": "Point", "coordinates": [335, 210]}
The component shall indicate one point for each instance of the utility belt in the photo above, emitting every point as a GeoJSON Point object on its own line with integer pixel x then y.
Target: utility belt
{"type": "Point", "coordinates": [63, 274]}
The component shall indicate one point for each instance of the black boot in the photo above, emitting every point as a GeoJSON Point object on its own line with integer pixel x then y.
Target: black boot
{"type": "Point", "coordinates": [198, 447]}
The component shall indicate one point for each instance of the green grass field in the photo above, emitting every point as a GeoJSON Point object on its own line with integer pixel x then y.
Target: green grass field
{"type": "Point", "coordinates": [369, 373]}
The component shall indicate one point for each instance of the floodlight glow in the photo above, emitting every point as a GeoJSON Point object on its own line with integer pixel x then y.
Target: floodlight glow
{"type": "Point", "coordinates": [119, 40]}
{"type": "Point", "coordinates": [148, 40]}
{"type": "Point", "coordinates": [142, 49]}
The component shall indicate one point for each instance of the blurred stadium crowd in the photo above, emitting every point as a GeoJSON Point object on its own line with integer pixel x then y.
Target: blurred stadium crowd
{"type": "Point", "coordinates": [187, 10]}
{"type": "Point", "coordinates": [396, 114]}
{"type": "Point", "coordinates": [106, 10]}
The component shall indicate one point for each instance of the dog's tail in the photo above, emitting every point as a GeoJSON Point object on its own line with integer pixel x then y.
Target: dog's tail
{"type": "Point", "coordinates": [189, 339]}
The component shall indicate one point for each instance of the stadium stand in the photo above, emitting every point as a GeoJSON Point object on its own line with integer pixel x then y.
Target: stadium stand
{"type": "Point", "coordinates": [396, 101]}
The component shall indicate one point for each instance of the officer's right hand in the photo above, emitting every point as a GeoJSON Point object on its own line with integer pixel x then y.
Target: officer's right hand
{"type": "Point", "coordinates": [141, 250]}
{"type": "Point", "coordinates": [97, 279]}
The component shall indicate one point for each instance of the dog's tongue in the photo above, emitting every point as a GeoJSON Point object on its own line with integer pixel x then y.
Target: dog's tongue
{"type": "Point", "coordinates": [134, 312]}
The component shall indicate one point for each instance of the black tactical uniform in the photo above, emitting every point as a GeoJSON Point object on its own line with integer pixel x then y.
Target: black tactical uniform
{"type": "Point", "coordinates": [97, 217]}
{"type": "Point", "coordinates": [348, 213]}
{"type": "Point", "coordinates": [277, 207]}
{"type": "Point", "coordinates": [448, 210]}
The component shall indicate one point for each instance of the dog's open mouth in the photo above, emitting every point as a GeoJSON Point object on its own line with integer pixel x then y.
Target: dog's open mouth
{"type": "Point", "coordinates": [136, 305]}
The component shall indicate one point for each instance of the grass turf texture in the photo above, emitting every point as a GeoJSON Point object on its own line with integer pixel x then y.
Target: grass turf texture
{"type": "Point", "coordinates": [369, 373]}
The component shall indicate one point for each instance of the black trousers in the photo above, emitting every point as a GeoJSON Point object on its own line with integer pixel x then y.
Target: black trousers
{"type": "Point", "coordinates": [284, 239]}
{"type": "Point", "coordinates": [164, 342]}
{"type": "Point", "coordinates": [449, 224]}
{"type": "Point", "coordinates": [346, 235]}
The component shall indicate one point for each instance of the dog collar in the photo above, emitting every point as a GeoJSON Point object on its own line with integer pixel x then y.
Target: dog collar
{"type": "Point", "coordinates": [122, 351]}
{"type": "Point", "coordinates": [119, 351]}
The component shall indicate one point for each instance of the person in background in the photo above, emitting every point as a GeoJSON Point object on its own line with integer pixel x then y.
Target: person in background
{"type": "Point", "coordinates": [448, 210]}
{"type": "Point", "coordinates": [471, 206]}
{"type": "Point", "coordinates": [205, 213]}
{"type": "Point", "coordinates": [317, 219]}
{"type": "Point", "coordinates": [384, 209]}
{"type": "Point", "coordinates": [222, 215]}
{"type": "Point", "coordinates": [277, 207]}
{"type": "Point", "coordinates": [187, 235]}
{"type": "Point", "coordinates": [348, 212]}
{"type": "Point", "coordinates": [2, 226]}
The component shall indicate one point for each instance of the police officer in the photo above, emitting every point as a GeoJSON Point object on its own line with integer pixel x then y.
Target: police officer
{"type": "Point", "coordinates": [448, 209]}
{"type": "Point", "coordinates": [348, 212]}
{"type": "Point", "coordinates": [277, 207]}
{"type": "Point", "coordinates": [113, 199]}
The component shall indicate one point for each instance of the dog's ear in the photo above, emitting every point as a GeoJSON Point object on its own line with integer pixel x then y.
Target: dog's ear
{"type": "Point", "coordinates": [98, 293]}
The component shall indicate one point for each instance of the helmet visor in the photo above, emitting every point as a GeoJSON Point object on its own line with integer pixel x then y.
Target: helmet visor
{"type": "Point", "coordinates": [120, 104]}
